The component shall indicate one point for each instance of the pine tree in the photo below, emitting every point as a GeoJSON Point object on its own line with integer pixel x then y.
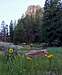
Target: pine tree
{"type": "Point", "coordinates": [11, 31]}
{"type": "Point", "coordinates": [51, 21]}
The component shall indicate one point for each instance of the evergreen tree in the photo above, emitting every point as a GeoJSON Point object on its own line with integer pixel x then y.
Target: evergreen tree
{"type": "Point", "coordinates": [28, 28]}
{"type": "Point", "coordinates": [51, 21]}
{"type": "Point", "coordinates": [11, 31]}
{"type": "Point", "coordinates": [3, 31]}
{"type": "Point", "coordinates": [19, 33]}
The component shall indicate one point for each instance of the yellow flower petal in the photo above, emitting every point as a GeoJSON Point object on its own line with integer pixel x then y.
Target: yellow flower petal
{"type": "Point", "coordinates": [50, 56]}
{"type": "Point", "coordinates": [28, 58]}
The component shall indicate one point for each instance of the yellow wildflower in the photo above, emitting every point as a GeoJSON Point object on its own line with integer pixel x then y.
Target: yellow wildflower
{"type": "Point", "coordinates": [28, 58]}
{"type": "Point", "coordinates": [10, 50]}
{"type": "Point", "coordinates": [50, 56]}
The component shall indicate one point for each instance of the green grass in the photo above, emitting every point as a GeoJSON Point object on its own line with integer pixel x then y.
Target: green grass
{"type": "Point", "coordinates": [37, 66]}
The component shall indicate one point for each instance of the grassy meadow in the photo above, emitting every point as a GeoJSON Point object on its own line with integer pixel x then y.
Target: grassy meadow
{"type": "Point", "coordinates": [24, 65]}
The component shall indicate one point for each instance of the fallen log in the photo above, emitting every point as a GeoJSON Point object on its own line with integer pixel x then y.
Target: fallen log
{"type": "Point", "coordinates": [33, 53]}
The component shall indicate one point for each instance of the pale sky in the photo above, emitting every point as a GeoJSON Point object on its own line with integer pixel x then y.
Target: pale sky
{"type": "Point", "coordinates": [13, 9]}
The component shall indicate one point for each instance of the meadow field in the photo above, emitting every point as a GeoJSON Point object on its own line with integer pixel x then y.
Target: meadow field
{"type": "Point", "coordinates": [39, 65]}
